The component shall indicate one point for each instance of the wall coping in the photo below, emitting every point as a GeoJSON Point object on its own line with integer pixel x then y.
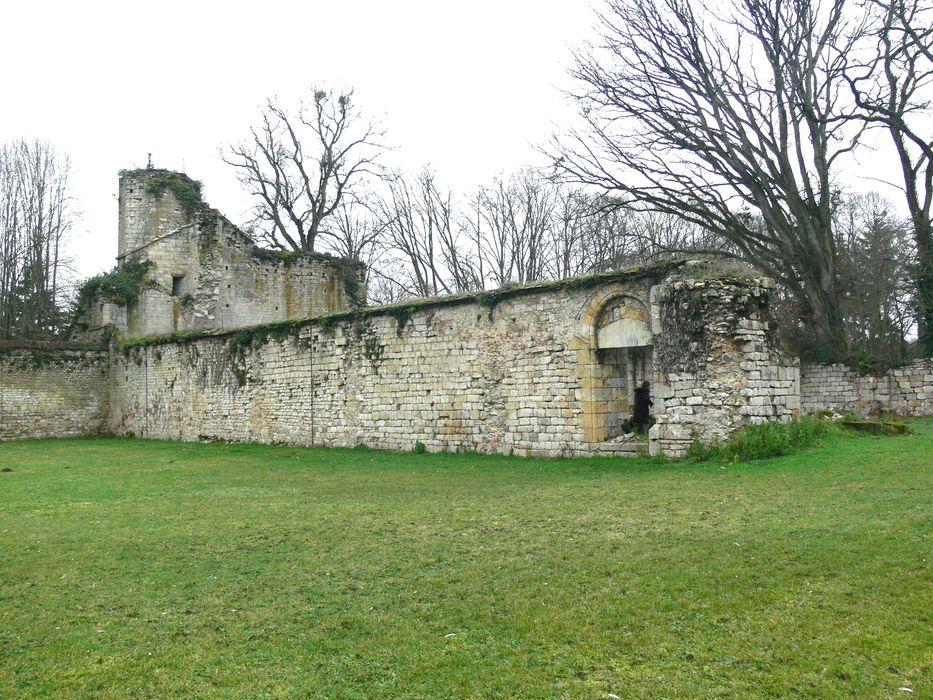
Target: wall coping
{"type": "Point", "coordinates": [486, 298]}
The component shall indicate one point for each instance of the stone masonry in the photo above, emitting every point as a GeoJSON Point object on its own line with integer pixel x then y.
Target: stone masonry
{"type": "Point", "coordinates": [53, 392]}
{"type": "Point", "coordinates": [718, 362]}
{"type": "Point", "coordinates": [519, 371]}
{"type": "Point", "coordinates": [206, 273]}
{"type": "Point", "coordinates": [276, 350]}
{"type": "Point", "coordinates": [905, 391]}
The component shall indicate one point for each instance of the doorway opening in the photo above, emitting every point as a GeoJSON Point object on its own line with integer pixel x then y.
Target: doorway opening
{"type": "Point", "coordinates": [625, 355]}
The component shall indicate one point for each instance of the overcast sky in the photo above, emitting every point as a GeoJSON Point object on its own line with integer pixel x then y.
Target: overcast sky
{"type": "Point", "coordinates": [468, 87]}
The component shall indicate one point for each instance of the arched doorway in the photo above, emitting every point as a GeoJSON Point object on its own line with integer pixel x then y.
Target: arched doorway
{"type": "Point", "coordinates": [624, 351]}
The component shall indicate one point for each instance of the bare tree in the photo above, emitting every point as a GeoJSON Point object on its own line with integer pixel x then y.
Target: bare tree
{"type": "Point", "coordinates": [519, 229]}
{"type": "Point", "coordinates": [662, 235]}
{"type": "Point", "coordinates": [354, 229]}
{"type": "Point", "coordinates": [494, 205]}
{"type": "Point", "coordinates": [300, 166]}
{"type": "Point", "coordinates": [610, 241]}
{"type": "Point", "coordinates": [593, 232]}
{"type": "Point", "coordinates": [36, 215]}
{"type": "Point", "coordinates": [569, 233]}
{"type": "Point", "coordinates": [421, 227]}
{"type": "Point", "coordinates": [387, 282]}
{"type": "Point", "coordinates": [893, 89]}
{"type": "Point", "coordinates": [721, 121]}
{"type": "Point", "coordinates": [517, 213]}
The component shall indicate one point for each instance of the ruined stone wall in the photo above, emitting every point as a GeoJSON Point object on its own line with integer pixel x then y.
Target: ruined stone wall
{"type": "Point", "coordinates": [96, 322]}
{"type": "Point", "coordinates": [242, 286]}
{"type": "Point", "coordinates": [718, 361]}
{"type": "Point", "coordinates": [53, 392]}
{"type": "Point", "coordinates": [450, 377]}
{"type": "Point", "coordinates": [511, 372]}
{"type": "Point", "coordinates": [906, 391]}
{"type": "Point", "coordinates": [205, 272]}
{"type": "Point", "coordinates": [145, 216]}
{"type": "Point", "coordinates": [225, 282]}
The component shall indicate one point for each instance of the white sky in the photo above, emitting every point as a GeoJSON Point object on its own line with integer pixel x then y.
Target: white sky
{"type": "Point", "coordinates": [468, 87]}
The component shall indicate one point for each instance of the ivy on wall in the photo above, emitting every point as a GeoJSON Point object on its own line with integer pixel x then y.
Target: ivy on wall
{"type": "Point", "coordinates": [186, 190]}
{"type": "Point", "coordinates": [122, 285]}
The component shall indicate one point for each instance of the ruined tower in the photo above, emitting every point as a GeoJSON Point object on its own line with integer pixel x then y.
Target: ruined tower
{"type": "Point", "coordinates": [196, 270]}
{"type": "Point", "coordinates": [146, 214]}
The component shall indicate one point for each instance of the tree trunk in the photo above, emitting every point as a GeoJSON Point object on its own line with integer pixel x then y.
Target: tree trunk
{"type": "Point", "coordinates": [924, 236]}
{"type": "Point", "coordinates": [828, 323]}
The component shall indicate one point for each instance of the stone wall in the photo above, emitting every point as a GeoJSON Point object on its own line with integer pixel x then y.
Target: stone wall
{"type": "Point", "coordinates": [906, 391]}
{"type": "Point", "coordinates": [53, 392]}
{"type": "Point", "coordinates": [719, 361]}
{"type": "Point", "coordinates": [229, 283]}
{"type": "Point", "coordinates": [205, 272]}
{"type": "Point", "coordinates": [518, 371]}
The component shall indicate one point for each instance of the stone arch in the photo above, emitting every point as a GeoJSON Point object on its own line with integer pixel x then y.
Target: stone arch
{"type": "Point", "coordinates": [623, 322]}
{"type": "Point", "coordinates": [615, 352]}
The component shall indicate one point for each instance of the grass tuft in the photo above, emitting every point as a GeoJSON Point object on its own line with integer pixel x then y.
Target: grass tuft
{"type": "Point", "coordinates": [765, 441]}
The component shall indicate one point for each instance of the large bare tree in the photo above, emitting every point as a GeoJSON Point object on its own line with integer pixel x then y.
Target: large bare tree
{"type": "Point", "coordinates": [36, 215]}
{"type": "Point", "coordinates": [300, 166]}
{"type": "Point", "coordinates": [893, 86]}
{"type": "Point", "coordinates": [733, 121]}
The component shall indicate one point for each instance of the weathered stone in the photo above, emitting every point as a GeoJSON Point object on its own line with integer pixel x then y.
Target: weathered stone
{"type": "Point", "coordinates": [548, 369]}
{"type": "Point", "coordinates": [53, 392]}
{"type": "Point", "coordinates": [903, 390]}
{"type": "Point", "coordinates": [205, 272]}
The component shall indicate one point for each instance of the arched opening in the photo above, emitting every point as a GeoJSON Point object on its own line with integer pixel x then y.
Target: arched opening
{"type": "Point", "coordinates": [624, 351]}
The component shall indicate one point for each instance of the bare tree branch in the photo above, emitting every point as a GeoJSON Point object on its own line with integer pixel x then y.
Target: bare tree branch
{"type": "Point", "coordinates": [300, 167]}
{"type": "Point", "coordinates": [730, 123]}
{"type": "Point", "coordinates": [36, 215]}
{"type": "Point", "coordinates": [892, 88]}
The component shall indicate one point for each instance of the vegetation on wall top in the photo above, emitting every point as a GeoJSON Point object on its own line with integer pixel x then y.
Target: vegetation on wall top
{"type": "Point", "coordinates": [290, 256]}
{"type": "Point", "coordinates": [403, 311]}
{"type": "Point", "coordinates": [186, 190]}
{"type": "Point", "coordinates": [348, 271]}
{"type": "Point", "coordinates": [122, 285]}
{"type": "Point", "coordinates": [26, 355]}
{"type": "Point", "coordinates": [52, 346]}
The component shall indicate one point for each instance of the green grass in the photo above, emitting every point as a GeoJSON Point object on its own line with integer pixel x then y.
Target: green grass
{"type": "Point", "coordinates": [155, 569]}
{"type": "Point", "coordinates": [773, 439]}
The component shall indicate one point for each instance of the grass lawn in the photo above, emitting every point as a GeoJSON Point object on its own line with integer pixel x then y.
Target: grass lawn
{"type": "Point", "coordinates": [133, 568]}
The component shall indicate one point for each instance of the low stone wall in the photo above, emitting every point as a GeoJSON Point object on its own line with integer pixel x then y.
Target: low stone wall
{"type": "Point", "coordinates": [518, 372]}
{"type": "Point", "coordinates": [719, 362]}
{"type": "Point", "coordinates": [53, 391]}
{"type": "Point", "coordinates": [906, 391]}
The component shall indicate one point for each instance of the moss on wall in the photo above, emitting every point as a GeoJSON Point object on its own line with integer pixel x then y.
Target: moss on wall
{"type": "Point", "coordinates": [404, 311]}
{"type": "Point", "coordinates": [33, 356]}
{"type": "Point", "coordinates": [122, 285]}
{"type": "Point", "coordinates": [186, 190]}
{"type": "Point", "coordinates": [692, 307]}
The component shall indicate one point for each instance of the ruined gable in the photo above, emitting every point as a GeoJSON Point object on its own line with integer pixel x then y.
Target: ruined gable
{"type": "Point", "coordinates": [203, 272]}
